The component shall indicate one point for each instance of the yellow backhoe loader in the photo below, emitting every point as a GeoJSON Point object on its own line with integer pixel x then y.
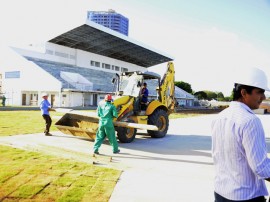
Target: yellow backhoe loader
{"type": "Point", "coordinates": [127, 102]}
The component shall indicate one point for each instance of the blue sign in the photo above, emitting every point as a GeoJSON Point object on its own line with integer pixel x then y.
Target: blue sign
{"type": "Point", "coordinates": [11, 75]}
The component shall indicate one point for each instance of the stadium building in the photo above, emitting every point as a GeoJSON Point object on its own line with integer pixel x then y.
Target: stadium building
{"type": "Point", "coordinates": [76, 68]}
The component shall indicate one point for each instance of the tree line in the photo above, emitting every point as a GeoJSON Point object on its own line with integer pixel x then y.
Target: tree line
{"type": "Point", "coordinates": [203, 95]}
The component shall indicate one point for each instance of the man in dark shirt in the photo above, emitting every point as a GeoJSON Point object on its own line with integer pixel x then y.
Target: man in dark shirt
{"type": "Point", "coordinates": [144, 96]}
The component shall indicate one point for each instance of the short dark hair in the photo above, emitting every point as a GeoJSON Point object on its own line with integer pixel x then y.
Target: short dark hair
{"type": "Point", "coordinates": [237, 90]}
{"type": "Point", "coordinates": [145, 84]}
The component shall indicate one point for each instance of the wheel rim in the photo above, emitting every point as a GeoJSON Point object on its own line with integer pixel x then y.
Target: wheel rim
{"type": "Point", "coordinates": [161, 123]}
{"type": "Point", "coordinates": [130, 132]}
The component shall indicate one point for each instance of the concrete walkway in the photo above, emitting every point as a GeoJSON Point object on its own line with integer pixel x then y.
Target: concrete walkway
{"type": "Point", "coordinates": [175, 168]}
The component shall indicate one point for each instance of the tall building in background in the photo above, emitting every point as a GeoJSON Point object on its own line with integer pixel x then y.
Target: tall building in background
{"type": "Point", "coordinates": [110, 19]}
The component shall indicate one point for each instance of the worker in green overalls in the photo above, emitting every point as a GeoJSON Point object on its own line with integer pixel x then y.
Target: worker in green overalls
{"type": "Point", "coordinates": [106, 111]}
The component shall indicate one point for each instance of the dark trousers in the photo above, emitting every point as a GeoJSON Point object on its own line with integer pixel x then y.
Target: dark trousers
{"type": "Point", "coordinates": [48, 122]}
{"type": "Point", "coordinates": [219, 198]}
{"type": "Point", "coordinates": [143, 106]}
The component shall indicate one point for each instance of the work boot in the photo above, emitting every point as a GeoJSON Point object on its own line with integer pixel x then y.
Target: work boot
{"type": "Point", "coordinates": [48, 134]}
{"type": "Point", "coordinates": [96, 152]}
{"type": "Point", "coordinates": [116, 152]}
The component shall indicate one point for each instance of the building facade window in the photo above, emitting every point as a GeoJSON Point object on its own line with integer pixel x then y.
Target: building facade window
{"type": "Point", "coordinates": [116, 68]}
{"type": "Point", "coordinates": [124, 69]}
{"type": "Point", "coordinates": [106, 66]}
{"type": "Point", "coordinates": [94, 63]}
{"type": "Point", "coordinates": [50, 52]}
{"type": "Point", "coordinates": [60, 54]}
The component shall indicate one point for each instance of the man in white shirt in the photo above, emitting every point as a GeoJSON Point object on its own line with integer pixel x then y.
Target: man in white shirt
{"type": "Point", "coordinates": [238, 143]}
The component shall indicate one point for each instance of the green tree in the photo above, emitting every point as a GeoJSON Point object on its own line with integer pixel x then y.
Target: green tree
{"type": "Point", "coordinates": [183, 85]}
{"type": "Point", "coordinates": [201, 95]}
{"type": "Point", "coordinates": [231, 96]}
{"type": "Point", "coordinates": [220, 96]}
{"type": "Point", "coordinates": [228, 98]}
{"type": "Point", "coordinates": [211, 95]}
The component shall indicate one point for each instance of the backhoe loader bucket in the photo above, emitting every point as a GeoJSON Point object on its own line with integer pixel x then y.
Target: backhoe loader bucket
{"type": "Point", "coordinates": [85, 124]}
{"type": "Point", "coordinates": [78, 125]}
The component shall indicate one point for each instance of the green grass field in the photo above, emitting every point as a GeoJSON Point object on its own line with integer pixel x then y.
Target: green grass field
{"type": "Point", "coordinates": [28, 122]}
{"type": "Point", "coordinates": [33, 176]}
{"type": "Point", "coordinates": [23, 122]}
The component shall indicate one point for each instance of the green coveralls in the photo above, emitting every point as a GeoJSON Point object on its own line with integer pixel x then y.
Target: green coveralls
{"type": "Point", "coordinates": [106, 111]}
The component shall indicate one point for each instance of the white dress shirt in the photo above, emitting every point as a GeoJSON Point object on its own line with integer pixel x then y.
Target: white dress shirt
{"type": "Point", "coordinates": [239, 153]}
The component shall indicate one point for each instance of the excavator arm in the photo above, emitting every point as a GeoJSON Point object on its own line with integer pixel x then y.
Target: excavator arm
{"type": "Point", "coordinates": [166, 89]}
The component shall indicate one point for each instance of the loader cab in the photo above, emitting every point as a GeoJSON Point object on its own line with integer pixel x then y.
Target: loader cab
{"type": "Point", "coordinates": [130, 83]}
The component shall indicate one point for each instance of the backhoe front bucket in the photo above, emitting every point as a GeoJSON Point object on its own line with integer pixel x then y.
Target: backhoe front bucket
{"type": "Point", "coordinates": [78, 125]}
{"type": "Point", "coordinates": [85, 124]}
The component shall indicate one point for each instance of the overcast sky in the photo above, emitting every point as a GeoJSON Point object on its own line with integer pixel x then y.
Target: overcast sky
{"type": "Point", "coordinates": [210, 41]}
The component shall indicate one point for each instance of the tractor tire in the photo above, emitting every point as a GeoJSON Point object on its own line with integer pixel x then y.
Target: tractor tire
{"type": "Point", "coordinates": [161, 120]}
{"type": "Point", "coordinates": [126, 135]}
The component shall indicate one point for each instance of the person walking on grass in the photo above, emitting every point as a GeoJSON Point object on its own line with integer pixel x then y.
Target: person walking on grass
{"type": "Point", "coordinates": [106, 111]}
{"type": "Point", "coordinates": [45, 107]}
{"type": "Point", "coordinates": [3, 101]}
{"type": "Point", "coordinates": [238, 143]}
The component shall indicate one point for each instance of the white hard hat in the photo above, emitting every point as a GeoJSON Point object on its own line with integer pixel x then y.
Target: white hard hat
{"type": "Point", "coordinates": [253, 77]}
{"type": "Point", "coordinates": [44, 94]}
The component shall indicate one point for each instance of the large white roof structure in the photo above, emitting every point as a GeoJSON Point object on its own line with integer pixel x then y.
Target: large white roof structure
{"type": "Point", "coordinates": [95, 38]}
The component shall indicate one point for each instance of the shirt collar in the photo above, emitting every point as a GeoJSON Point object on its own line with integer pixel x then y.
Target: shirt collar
{"type": "Point", "coordinates": [240, 104]}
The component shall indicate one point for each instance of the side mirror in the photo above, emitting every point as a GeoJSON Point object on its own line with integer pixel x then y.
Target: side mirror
{"type": "Point", "coordinates": [139, 84]}
{"type": "Point", "coordinates": [113, 80]}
